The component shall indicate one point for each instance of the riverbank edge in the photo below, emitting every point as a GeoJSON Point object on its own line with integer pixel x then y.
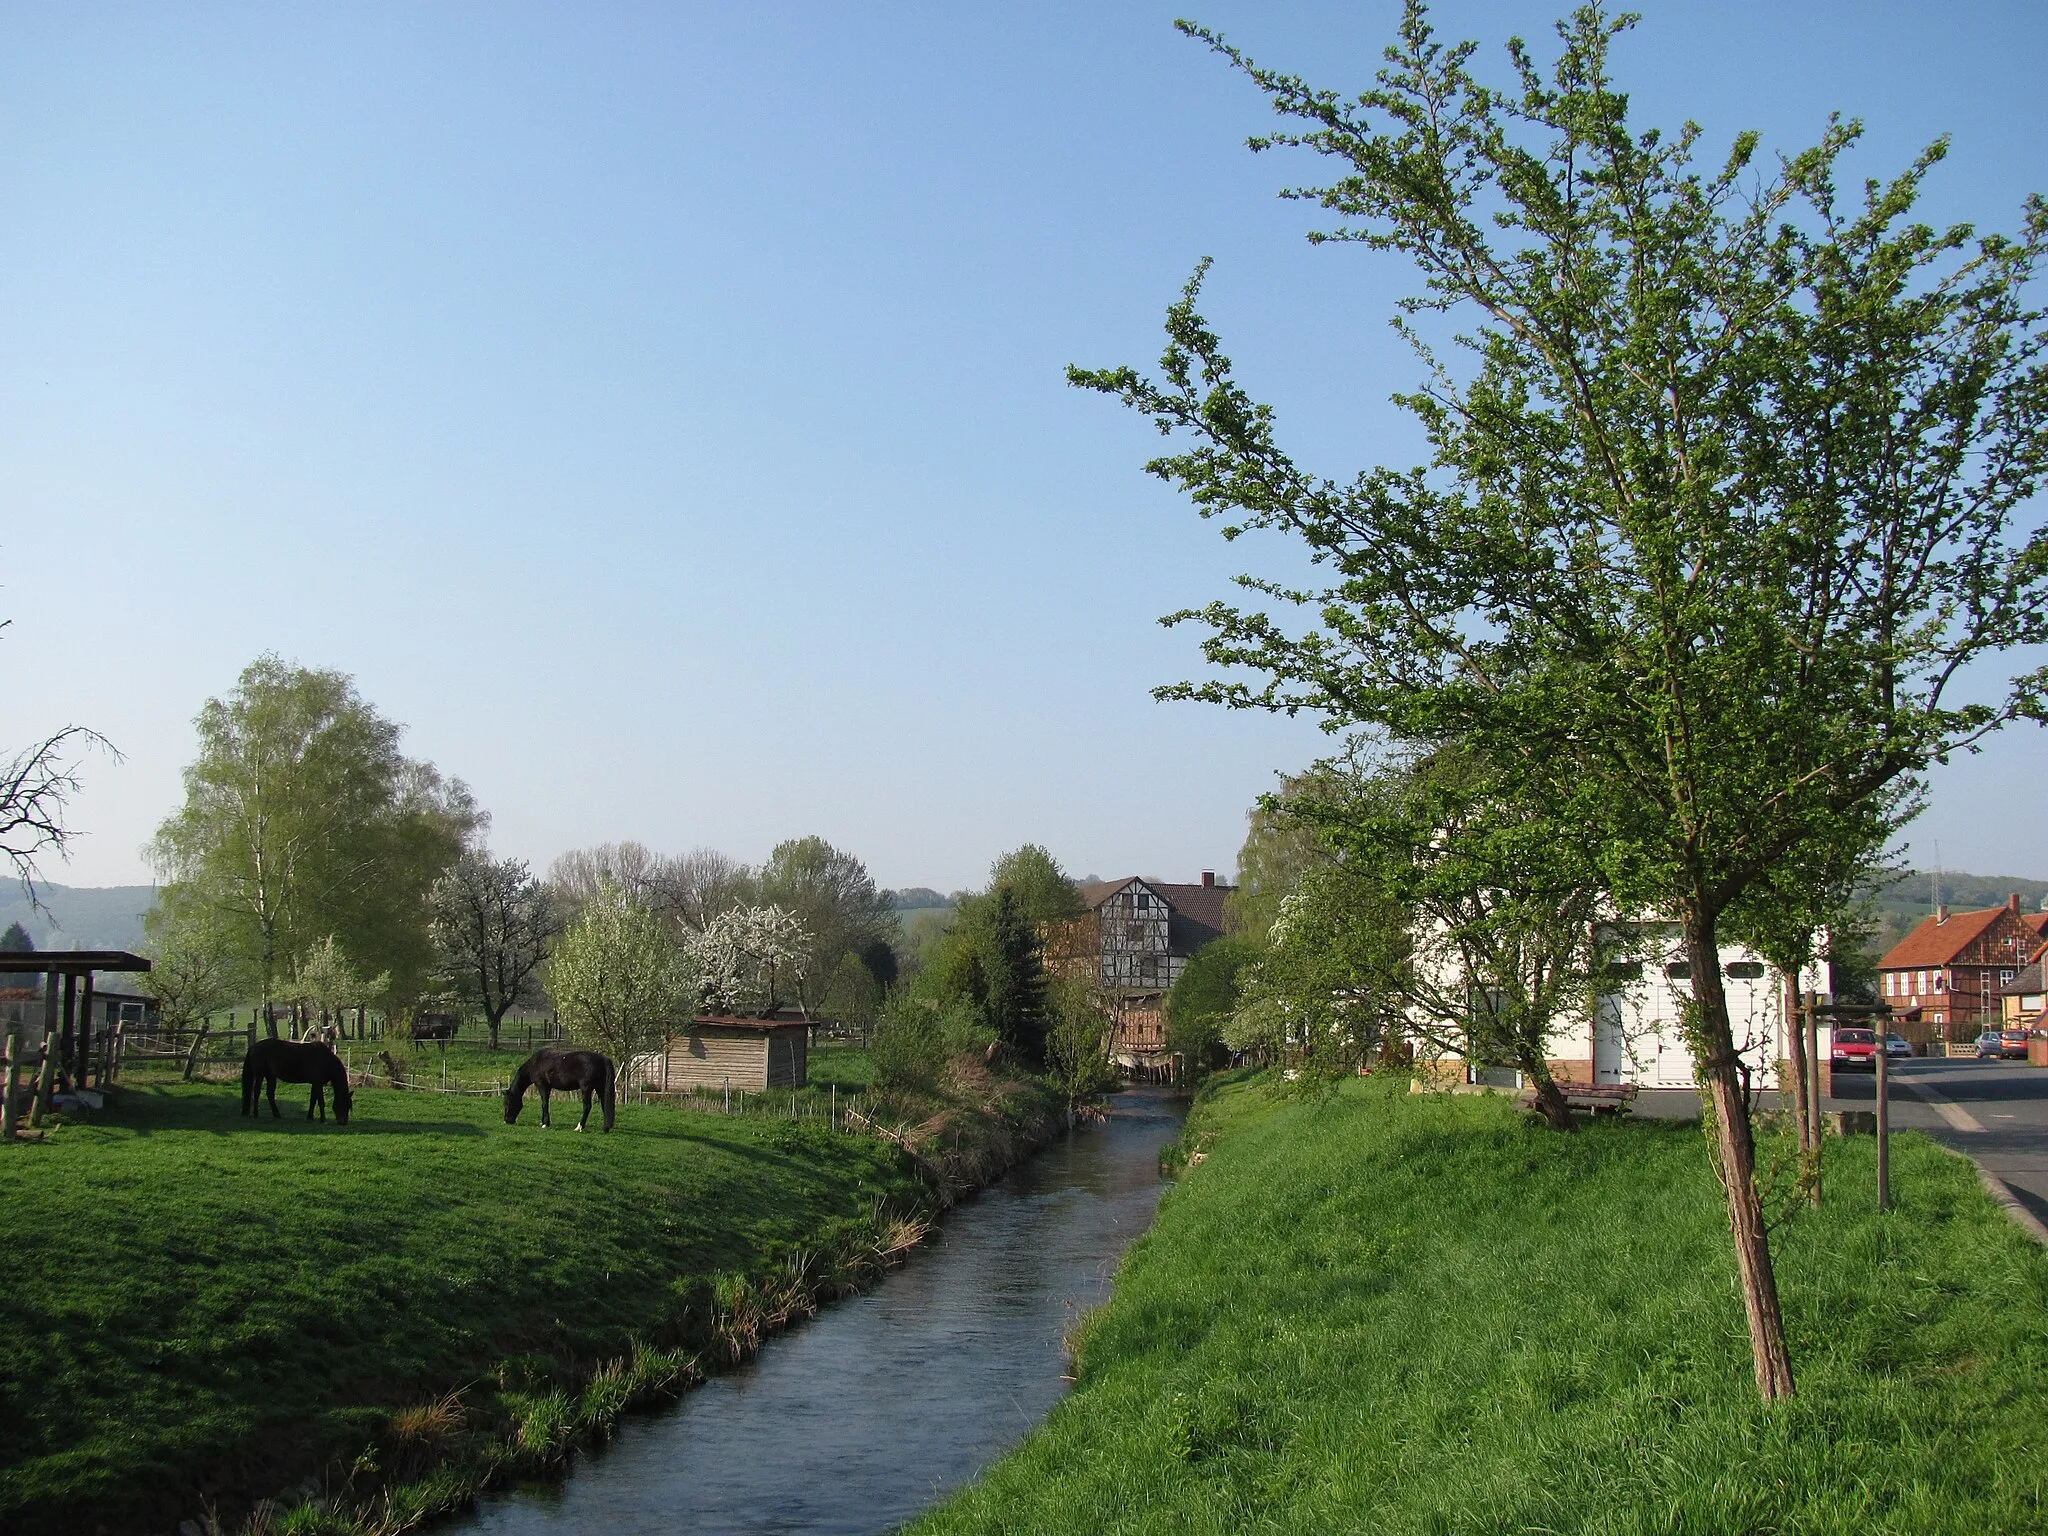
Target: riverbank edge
{"type": "Point", "coordinates": [989, 1126]}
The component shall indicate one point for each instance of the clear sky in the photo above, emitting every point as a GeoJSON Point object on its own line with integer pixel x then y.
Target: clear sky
{"type": "Point", "coordinates": [659, 408]}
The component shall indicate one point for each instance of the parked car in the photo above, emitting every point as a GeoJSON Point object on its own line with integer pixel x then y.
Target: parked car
{"type": "Point", "coordinates": [1990, 1043]}
{"type": "Point", "coordinates": [2014, 1042]}
{"type": "Point", "coordinates": [1897, 1045]}
{"type": "Point", "coordinates": [1855, 1048]}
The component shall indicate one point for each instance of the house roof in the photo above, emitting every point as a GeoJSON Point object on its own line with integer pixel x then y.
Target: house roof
{"type": "Point", "coordinates": [2038, 921]}
{"type": "Point", "coordinates": [2029, 980]}
{"type": "Point", "coordinates": [1937, 943]}
{"type": "Point", "coordinates": [69, 962]}
{"type": "Point", "coordinates": [1196, 910]}
{"type": "Point", "coordinates": [739, 1021]}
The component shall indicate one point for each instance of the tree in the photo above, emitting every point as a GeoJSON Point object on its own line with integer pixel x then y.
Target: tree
{"type": "Point", "coordinates": [1205, 995]}
{"type": "Point", "coordinates": [697, 886]}
{"type": "Point", "coordinates": [326, 983]}
{"type": "Point", "coordinates": [1280, 846]}
{"type": "Point", "coordinates": [1033, 877]}
{"type": "Point", "coordinates": [1080, 1023]}
{"type": "Point", "coordinates": [302, 820]}
{"type": "Point", "coordinates": [618, 979]}
{"type": "Point", "coordinates": [1325, 993]}
{"type": "Point", "coordinates": [854, 995]}
{"type": "Point", "coordinates": [750, 958]}
{"type": "Point", "coordinates": [493, 923]}
{"type": "Point", "coordinates": [35, 785]}
{"type": "Point", "coordinates": [1505, 938]}
{"type": "Point", "coordinates": [16, 941]}
{"type": "Point", "coordinates": [195, 967]}
{"type": "Point", "coordinates": [1722, 508]}
{"type": "Point", "coordinates": [1012, 980]}
{"type": "Point", "coordinates": [834, 900]}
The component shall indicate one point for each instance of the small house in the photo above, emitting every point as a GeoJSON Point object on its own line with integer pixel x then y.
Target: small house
{"type": "Point", "coordinates": [1133, 939]}
{"type": "Point", "coordinates": [1953, 966]}
{"type": "Point", "coordinates": [750, 1055]}
{"type": "Point", "coordinates": [2024, 999]}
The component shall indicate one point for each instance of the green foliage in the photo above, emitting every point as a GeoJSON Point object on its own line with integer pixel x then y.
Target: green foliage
{"type": "Point", "coordinates": [1036, 883]}
{"type": "Point", "coordinates": [302, 820]}
{"type": "Point", "coordinates": [1280, 846]}
{"type": "Point", "coordinates": [1081, 1022]}
{"type": "Point", "coordinates": [1325, 992]}
{"type": "Point", "coordinates": [618, 978]}
{"type": "Point", "coordinates": [1206, 995]}
{"type": "Point", "coordinates": [493, 925]}
{"type": "Point", "coordinates": [1012, 996]}
{"type": "Point", "coordinates": [909, 1048]}
{"type": "Point", "coordinates": [853, 996]}
{"type": "Point", "coordinates": [196, 966]}
{"type": "Point", "coordinates": [16, 941]}
{"type": "Point", "coordinates": [259, 1300]}
{"type": "Point", "coordinates": [1346, 1319]}
{"type": "Point", "coordinates": [835, 899]}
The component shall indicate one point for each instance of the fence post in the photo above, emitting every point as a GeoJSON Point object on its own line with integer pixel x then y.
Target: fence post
{"type": "Point", "coordinates": [45, 1070]}
{"type": "Point", "coordinates": [7, 1108]}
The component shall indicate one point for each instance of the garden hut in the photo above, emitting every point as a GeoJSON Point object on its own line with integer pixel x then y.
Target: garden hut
{"type": "Point", "coordinates": [750, 1054]}
{"type": "Point", "coordinates": [67, 1000]}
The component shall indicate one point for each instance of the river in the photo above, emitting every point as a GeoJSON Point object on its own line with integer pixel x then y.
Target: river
{"type": "Point", "coordinates": [855, 1421]}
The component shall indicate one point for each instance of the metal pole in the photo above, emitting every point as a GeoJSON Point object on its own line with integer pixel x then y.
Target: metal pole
{"type": "Point", "coordinates": [1884, 1140]}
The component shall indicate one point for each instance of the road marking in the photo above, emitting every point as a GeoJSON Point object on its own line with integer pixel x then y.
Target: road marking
{"type": "Point", "coordinates": [1958, 1118]}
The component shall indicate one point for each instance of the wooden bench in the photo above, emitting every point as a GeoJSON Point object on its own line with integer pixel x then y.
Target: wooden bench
{"type": "Point", "coordinates": [1589, 1098]}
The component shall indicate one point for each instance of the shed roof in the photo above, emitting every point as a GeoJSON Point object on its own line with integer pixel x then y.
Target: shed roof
{"type": "Point", "coordinates": [69, 962]}
{"type": "Point", "coordinates": [742, 1021]}
{"type": "Point", "coordinates": [1935, 942]}
{"type": "Point", "coordinates": [2029, 980]}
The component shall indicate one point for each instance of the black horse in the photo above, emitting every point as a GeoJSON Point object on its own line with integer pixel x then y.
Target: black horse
{"type": "Point", "coordinates": [294, 1061]}
{"type": "Point", "coordinates": [585, 1072]}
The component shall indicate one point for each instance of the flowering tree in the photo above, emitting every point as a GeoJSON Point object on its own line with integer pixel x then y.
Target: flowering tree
{"type": "Point", "coordinates": [619, 981]}
{"type": "Point", "coordinates": [746, 957]}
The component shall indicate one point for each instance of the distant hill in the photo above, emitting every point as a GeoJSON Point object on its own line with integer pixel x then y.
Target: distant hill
{"type": "Point", "coordinates": [916, 897]}
{"type": "Point", "coordinates": [80, 916]}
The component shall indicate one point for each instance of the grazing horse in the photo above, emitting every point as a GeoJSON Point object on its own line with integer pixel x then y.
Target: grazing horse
{"type": "Point", "coordinates": [586, 1072]}
{"type": "Point", "coordinates": [294, 1061]}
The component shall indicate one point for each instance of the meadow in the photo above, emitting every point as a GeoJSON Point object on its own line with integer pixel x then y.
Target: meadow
{"type": "Point", "coordinates": [203, 1309]}
{"type": "Point", "coordinates": [1390, 1313]}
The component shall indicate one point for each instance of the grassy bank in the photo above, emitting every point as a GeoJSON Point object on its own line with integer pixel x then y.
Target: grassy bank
{"type": "Point", "coordinates": [1385, 1313]}
{"type": "Point", "coordinates": [365, 1323]}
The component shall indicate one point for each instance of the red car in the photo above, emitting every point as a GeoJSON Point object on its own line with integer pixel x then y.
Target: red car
{"type": "Point", "coordinates": [1856, 1048]}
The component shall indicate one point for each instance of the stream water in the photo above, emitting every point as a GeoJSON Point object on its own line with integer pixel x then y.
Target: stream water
{"type": "Point", "coordinates": [857, 1420]}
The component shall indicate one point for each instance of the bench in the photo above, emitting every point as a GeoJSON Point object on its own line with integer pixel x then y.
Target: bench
{"type": "Point", "coordinates": [1589, 1098]}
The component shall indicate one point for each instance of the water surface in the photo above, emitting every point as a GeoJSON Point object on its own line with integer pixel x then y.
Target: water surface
{"type": "Point", "coordinates": [855, 1421]}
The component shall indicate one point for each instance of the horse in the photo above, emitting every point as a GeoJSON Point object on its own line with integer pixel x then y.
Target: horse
{"type": "Point", "coordinates": [586, 1072]}
{"type": "Point", "coordinates": [295, 1061]}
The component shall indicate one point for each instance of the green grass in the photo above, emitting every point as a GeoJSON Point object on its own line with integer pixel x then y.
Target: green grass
{"type": "Point", "coordinates": [1394, 1314]}
{"type": "Point", "coordinates": [199, 1306]}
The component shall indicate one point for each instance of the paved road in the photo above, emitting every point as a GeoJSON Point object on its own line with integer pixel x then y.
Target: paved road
{"type": "Point", "coordinates": [1996, 1111]}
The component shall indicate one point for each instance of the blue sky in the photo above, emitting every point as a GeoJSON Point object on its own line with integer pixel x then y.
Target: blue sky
{"type": "Point", "coordinates": [659, 409]}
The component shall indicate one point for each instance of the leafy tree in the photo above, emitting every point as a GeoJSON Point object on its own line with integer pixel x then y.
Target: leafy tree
{"type": "Point", "coordinates": [326, 983]}
{"type": "Point", "coordinates": [196, 967]}
{"type": "Point", "coordinates": [854, 995]}
{"type": "Point", "coordinates": [1280, 846]}
{"type": "Point", "coordinates": [1011, 981]}
{"type": "Point", "coordinates": [303, 820]}
{"type": "Point", "coordinates": [618, 979]}
{"type": "Point", "coordinates": [1041, 889]}
{"type": "Point", "coordinates": [749, 958]}
{"type": "Point", "coordinates": [1325, 993]}
{"type": "Point", "coordinates": [1723, 504]}
{"type": "Point", "coordinates": [834, 900]}
{"type": "Point", "coordinates": [15, 941]}
{"type": "Point", "coordinates": [493, 923]}
{"type": "Point", "coordinates": [1080, 1024]}
{"type": "Point", "coordinates": [1205, 995]}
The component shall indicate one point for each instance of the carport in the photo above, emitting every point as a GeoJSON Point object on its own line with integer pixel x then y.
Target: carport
{"type": "Point", "coordinates": [73, 1056]}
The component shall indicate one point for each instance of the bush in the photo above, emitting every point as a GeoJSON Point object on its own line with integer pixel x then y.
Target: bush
{"type": "Point", "coordinates": [909, 1048]}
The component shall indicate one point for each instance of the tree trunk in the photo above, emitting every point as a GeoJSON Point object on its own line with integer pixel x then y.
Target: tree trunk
{"type": "Point", "coordinates": [1802, 1077]}
{"type": "Point", "coordinates": [1557, 1114]}
{"type": "Point", "coordinates": [1718, 1066]}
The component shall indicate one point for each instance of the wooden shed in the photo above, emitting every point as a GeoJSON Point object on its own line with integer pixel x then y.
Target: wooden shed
{"type": "Point", "coordinates": [750, 1054]}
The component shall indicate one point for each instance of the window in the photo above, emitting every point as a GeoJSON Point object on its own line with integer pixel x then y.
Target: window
{"type": "Point", "coordinates": [1679, 970]}
{"type": "Point", "coordinates": [2004, 976]}
{"type": "Point", "coordinates": [1940, 981]}
{"type": "Point", "coordinates": [1745, 970]}
{"type": "Point", "coordinates": [1144, 900]}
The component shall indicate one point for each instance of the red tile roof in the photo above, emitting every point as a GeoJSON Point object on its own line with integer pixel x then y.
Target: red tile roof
{"type": "Point", "coordinates": [1937, 943]}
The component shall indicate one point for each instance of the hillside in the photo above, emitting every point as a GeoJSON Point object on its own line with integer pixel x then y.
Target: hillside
{"type": "Point", "coordinates": [80, 916]}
